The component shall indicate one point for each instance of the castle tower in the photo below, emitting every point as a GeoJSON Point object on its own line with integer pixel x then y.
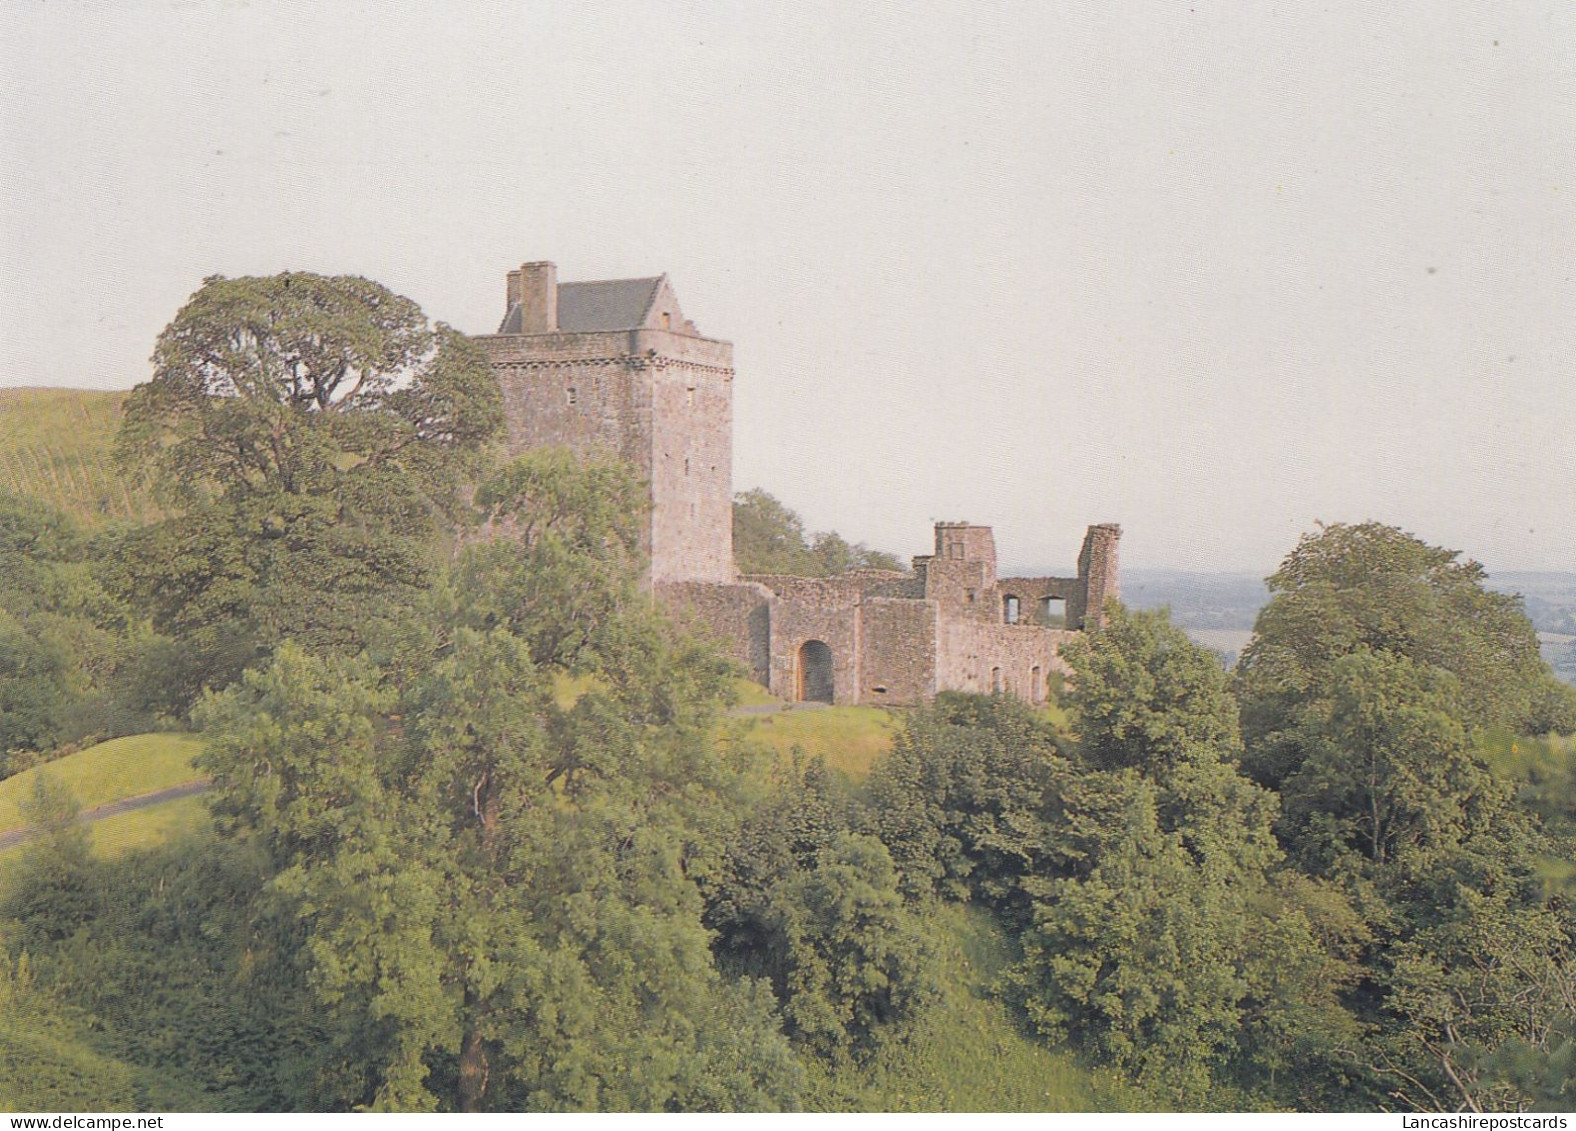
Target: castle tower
{"type": "Point", "coordinates": [614, 369]}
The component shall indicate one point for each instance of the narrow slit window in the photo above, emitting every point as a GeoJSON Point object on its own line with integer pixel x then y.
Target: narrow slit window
{"type": "Point", "coordinates": [572, 394]}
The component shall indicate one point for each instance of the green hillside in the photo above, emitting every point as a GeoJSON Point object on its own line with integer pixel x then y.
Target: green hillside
{"type": "Point", "coordinates": [110, 771]}
{"type": "Point", "coordinates": [55, 445]}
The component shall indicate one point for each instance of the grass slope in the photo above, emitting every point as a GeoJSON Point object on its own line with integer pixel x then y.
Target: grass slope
{"type": "Point", "coordinates": [55, 446]}
{"type": "Point", "coordinates": [850, 739]}
{"type": "Point", "coordinates": [110, 771]}
{"type": "Point", "coordinates": [970, 1054]}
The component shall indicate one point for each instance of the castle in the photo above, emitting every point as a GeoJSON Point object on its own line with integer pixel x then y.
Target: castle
{"type": "Point", "coordinates": [614, 368]}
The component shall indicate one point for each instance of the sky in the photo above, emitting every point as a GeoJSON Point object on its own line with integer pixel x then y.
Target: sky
{"type": "Point", "coordinates": [1217, 271]}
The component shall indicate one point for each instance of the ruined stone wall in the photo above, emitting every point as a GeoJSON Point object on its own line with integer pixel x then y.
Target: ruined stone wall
{"type": "Point", "coordinates": [1100, 576]}
{"type": "Point", "coordinates": [1032, 593]}
{"type": "Point", "coordinates": [985, 658]}
{"type": "Point", "coordinates": [898, 651]}
{"type": "Point", "coordinates": [737, 618]}
{"type": "Point", "coordinates": [965, 587]}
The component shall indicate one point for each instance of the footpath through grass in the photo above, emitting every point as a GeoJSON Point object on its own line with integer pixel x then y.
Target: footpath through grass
{"type": "Point", "coordinates": [110, 771]}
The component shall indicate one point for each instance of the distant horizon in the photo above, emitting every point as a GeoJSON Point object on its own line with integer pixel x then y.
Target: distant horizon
{"type": "Point", "coordinates": [1007, 567]}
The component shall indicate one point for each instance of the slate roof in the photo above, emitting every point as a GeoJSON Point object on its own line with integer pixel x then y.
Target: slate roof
{"type": "Point", "coordinates": [613, 304]}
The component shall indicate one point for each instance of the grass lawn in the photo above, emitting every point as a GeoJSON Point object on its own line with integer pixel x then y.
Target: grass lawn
{"type": "Point", "coordinates": [122, 767]}
{"type": "Point", "coordinates": [145, 828]}
{"type": "Point", "coordinates": [849, 738]}
{"type": "Point", "coordinates": [752, 694]}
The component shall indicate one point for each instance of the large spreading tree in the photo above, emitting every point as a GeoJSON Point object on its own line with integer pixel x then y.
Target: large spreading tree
{"type": "Point", "coordinates": [307, 434]}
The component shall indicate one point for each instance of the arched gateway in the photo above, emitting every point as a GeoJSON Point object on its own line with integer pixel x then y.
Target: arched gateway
{"type": "Point", "coordinates": [815, 672]}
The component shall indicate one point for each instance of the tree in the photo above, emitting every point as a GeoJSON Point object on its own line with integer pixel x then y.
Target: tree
{"type": "Point", "coordinates": [1147, 928]}
{"type": "Point", "coordinates": [70, 653]}
{"type": "Point", "coordinates": [960, 802]}
{"type": "Point", "coordinates": [500, 890]}
{"type": "Point", "coordinates": [315, 435]}
{"type": "Point", "coordinates": [1373, 674]}
{"type": "Point", "coordinates": [299, 384]}
{"type": "Point", "coordinates": [1371, 586]}
{"type": "Point", "coordinates": [770, 538]}
{"type": "Point", "coordinates": [813, 908]}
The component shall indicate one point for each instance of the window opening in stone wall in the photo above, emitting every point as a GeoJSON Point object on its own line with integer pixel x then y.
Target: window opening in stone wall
{"type": "Point", "coordinates": [995, 681]}
{"type": "Point", "coordinates": [690, 392]}
{"type": "Point", "coordinates": [667, 320]}
{"type": "Point", "coordinates": [815, 672]}
{"type": "Point", "coordinates": [572, 394]}
{"type": "Point", "coordinates": [1009, 609]}
{"type": "Point", "coordinates": [971, 596]}
{"type": "Point", "coordinates": [1053, 612]}
{"type": "Point", "coordinates": [686, 465]}
{"type": "Point", "coordinates": [1036, 691]}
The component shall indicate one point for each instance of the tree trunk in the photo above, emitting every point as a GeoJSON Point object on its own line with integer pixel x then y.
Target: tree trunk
{"type": "Point", "coordinates": [473, 1058]}
{"type": "Point", "coordinates": [473, 1071]}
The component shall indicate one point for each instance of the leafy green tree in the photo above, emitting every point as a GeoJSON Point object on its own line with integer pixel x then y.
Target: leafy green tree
{"type": "Point", "coordinates": [1372, 677]}
{"type": "Point", "coordinates": [545, 858]}
{"type": "Point", "coordinates": [1371, 586]}
{"type": "Point", "coordinates": [961, 800]}
{"type": "Point", "coordinates": [301, 384]}
{"type": "Point", "coordinates": [70, 653]}
{"type": "Point", "coordinates": [813, 908]}
{"type": "Point", "coordinates": [1388, 772]}
{"type": "Point", "coordinates": [314, 435]}
{"type": "Point", "coordinates": [1147, 698]}
{"type": "Point", "coordinates": [768, 537]}
{"type": "Point", "coordinates": [851, 965]}
{"type": "Point", "coordinates": [1148, 927]}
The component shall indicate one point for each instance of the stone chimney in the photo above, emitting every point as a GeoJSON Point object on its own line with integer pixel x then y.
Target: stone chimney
{"type": "Point", "coordinates": [535, 287]}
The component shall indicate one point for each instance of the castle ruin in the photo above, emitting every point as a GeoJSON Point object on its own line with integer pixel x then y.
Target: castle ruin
{"type": "Point", "coordinates": [614, 369]}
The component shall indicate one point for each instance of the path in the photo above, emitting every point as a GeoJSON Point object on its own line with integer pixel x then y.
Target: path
{"type": "Point", "coordinates": [16, 836]}
{"type": "Point", "coordinates": [12, 837]}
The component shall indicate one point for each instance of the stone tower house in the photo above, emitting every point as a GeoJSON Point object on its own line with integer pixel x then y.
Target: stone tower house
{"type": "Point", "coordinates": [615, 369]}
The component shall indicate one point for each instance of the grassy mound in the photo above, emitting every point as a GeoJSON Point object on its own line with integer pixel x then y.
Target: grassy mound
{"type": "Point", "coordinates": [110, 771]}
{"type": "Point", "coordinates": [55, 446]}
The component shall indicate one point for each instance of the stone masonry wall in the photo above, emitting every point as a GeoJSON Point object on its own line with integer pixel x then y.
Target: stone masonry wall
{"type": "Point", "coordinates": [805, 609]}
{"type": "Point", "coordinates": [1100, 573]}
{"type": "Point", "coordinates": [989, 657]}
{"type": "Point", "coordinates": [898, 651]}
{"type": "Point", "coordinates": [737, 618]}
{"type": "Point", "coordinates": [660, 401]}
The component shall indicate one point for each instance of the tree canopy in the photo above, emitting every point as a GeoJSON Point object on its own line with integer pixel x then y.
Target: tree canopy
{"type": "Point", "coordinates": [316, 437]}
{"type": "Point", "coordinates": [768, 537]}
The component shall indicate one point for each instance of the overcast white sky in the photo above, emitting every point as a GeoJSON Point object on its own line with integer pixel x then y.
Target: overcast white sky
{"type": "Point", "coordinates": [1212, 269]}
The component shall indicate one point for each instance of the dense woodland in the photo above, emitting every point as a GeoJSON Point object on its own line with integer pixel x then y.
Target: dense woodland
{"type": "Point", "coordinates": [485, 836]}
